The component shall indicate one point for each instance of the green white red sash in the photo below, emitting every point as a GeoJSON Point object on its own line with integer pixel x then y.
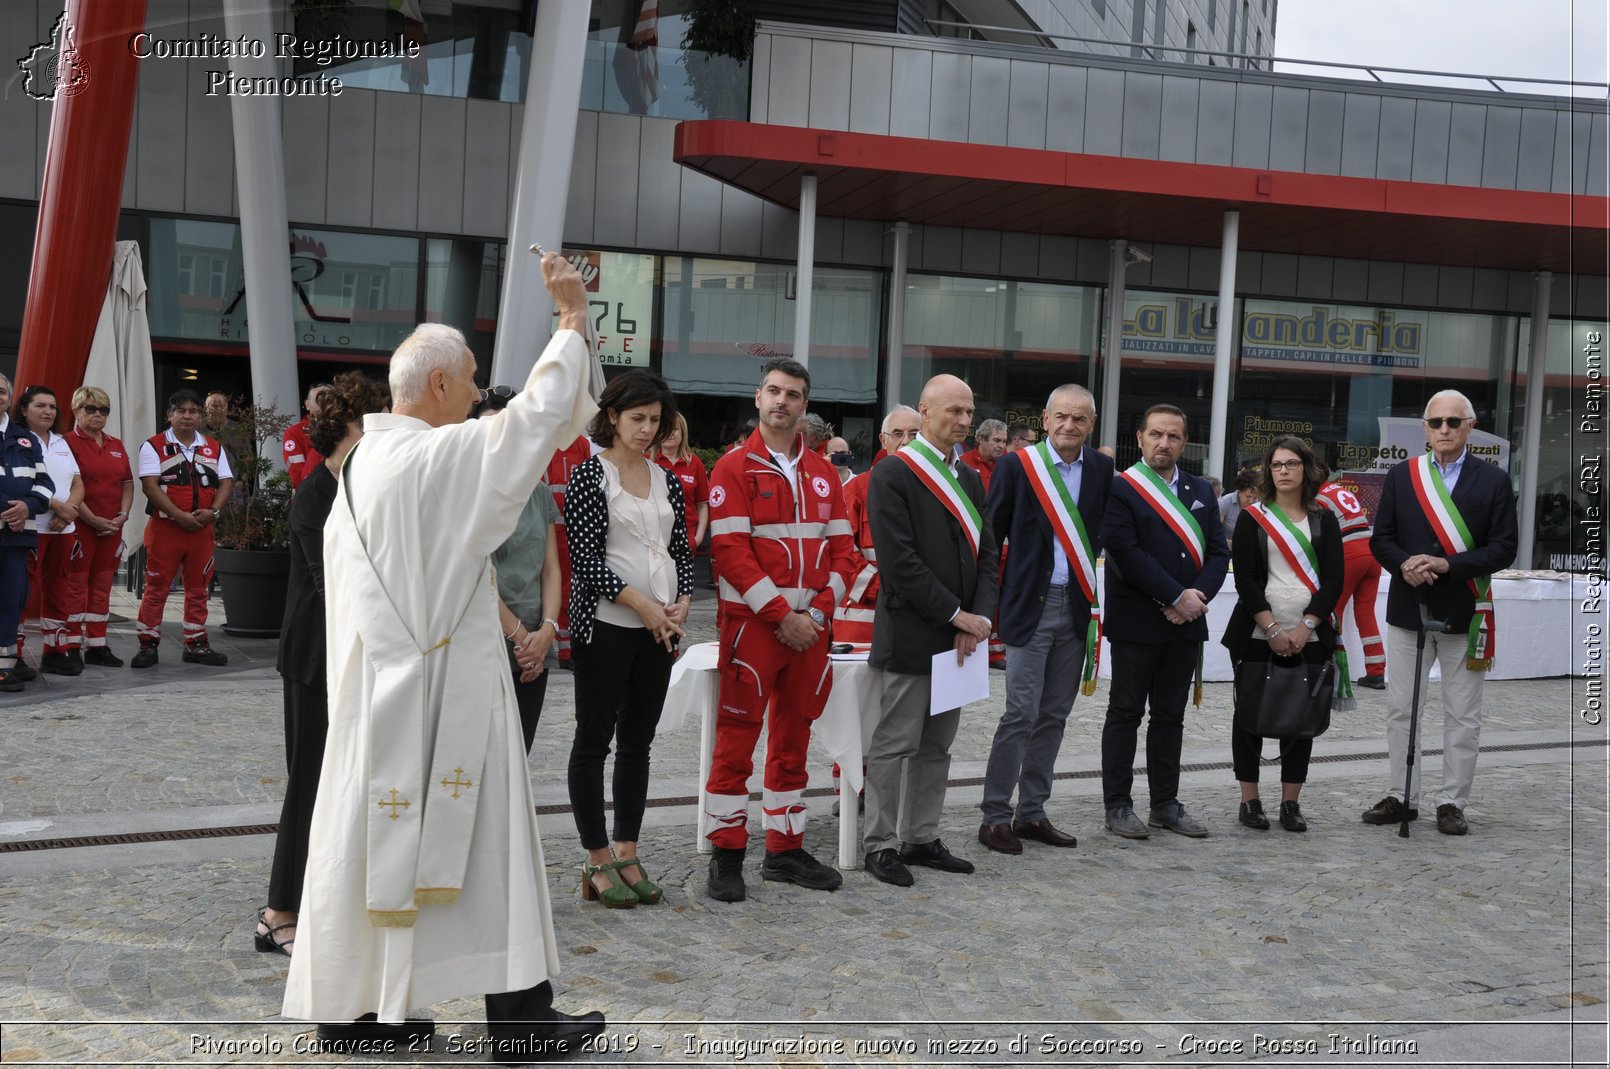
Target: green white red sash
{"type": "Point", "coordinates": [1040, 466]}
{"type": "Point", "coordinates": [1449, 526]}
{"type": "Point", "coordinates": [936, 475]}
{"type": "Point", "coordinates": [1299, 552]}
{"type": "Point", "coordinates": [1167, 504]}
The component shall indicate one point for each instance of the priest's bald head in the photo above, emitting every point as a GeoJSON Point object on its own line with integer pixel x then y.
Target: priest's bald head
{"type": "Point", "coordinates": [433, 376]}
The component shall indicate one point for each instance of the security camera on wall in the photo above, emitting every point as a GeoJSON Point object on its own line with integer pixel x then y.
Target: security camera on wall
{"type": "Point", "coordinates": [1139, 256]}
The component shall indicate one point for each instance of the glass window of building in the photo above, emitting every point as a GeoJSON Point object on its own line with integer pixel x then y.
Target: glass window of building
{"type": "Point", "coordinates": [638, 64]}
{"type": "Point", "coordinates": [1570, 502]}
{"type": "Point", "coordinates": [1167, 355]}
{"type": "Point", "coordinates": [460, 48]}
{"type": "Point", "coordinates": [462, 281]}
{"type": "Point", "coordinates": [1013, 342]}
{"type": "Point", "coordinates": [724, 318]}
{"type": "Point", "coordinates": [196, 286]}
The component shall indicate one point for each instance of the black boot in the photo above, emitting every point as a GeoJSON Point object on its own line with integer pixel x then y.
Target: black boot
{"type": "Point", "coordinates": [726, 883]}
{"type": "Point", "coordinates": [524, 1027]}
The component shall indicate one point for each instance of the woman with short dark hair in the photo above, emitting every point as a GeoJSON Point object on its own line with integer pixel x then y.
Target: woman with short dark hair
{"type": "Point", "coordinates": [632, 585]}
{"type": "Point", "coordinates": [1288, 561]}
{"type": "Point", "coordinates": [50, 568]}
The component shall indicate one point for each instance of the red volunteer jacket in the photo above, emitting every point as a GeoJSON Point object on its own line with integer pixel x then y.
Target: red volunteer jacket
{"type": "Point", "coordinates": [1355, 522]}
{"type": "Point", "coordinates": [778, 548]}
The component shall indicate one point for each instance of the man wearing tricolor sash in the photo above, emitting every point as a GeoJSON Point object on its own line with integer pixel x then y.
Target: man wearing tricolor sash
{"type": "Point", "coordinates": [937, 563]}
{"type": "Point", "coordinates": [1049, 500]}
{"type": "Point", "coordinates": [1445, 524]}
{"type": "Point", "coordinates": [1166, 559]}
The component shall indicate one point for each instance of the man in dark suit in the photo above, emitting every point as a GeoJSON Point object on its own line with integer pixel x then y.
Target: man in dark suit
{"type": "Point", "coordinates": [1048, 500]}
{"type": "Point", "coordinates": [1166, 558]}
{"type": "Point", "coordinates": [1424, 503]}
{"type": "Point", "coordinates": [937, 563]}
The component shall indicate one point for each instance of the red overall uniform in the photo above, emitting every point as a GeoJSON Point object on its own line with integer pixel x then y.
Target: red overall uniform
{"type": "Point", "coordinates": [1362, 578]}
{"type": "Point", "coordinates": [190, 483]}
{"type": "Point", "coordinates": [852, 617]}
{"type": "Point", "coordinates": [781, 546]}
{"type": "Point", "coordinates": [986, 468]}
{"type": "Point", "coordinates": [104, 469]}
{"type": "Point", "coordinates": [563, 463]}
{"type": "Point", "coordinates": [300, 456]}
{"type": "Point", "coordinates": [695, 487]}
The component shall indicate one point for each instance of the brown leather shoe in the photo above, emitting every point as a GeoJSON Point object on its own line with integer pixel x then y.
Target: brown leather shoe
{"type": "Point", "coordinates": [1000, 838]}
{"type": "Point", "coordinates": [1388, 811]}
{"type": "Point", "coordinates": [1451, 820]}
{"type": "Point", "coordinates": [1044, 831]}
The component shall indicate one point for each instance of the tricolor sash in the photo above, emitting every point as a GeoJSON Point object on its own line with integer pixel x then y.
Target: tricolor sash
{"type": "Point", "coordinates": [1046, 480]}
{"type": "Point", "coordinates": [936, 475]}
{"type": "Point", "coordinates": [1299, 552]}
{"type": "Point", "coordinates": [1167, 504]}
{"type": "Point", "coordinates": [1451, 530]}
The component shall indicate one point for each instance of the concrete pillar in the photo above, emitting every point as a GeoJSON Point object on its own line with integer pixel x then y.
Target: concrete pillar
{"type": "Point", "coordinates": [265, 228]}
{"type": "Point", "coordinates": [1117, 262]}
{"type": "Point", "coordinates": [541, 186]}
{"type": "Point", "coordinates": [1532, 433]}
{"type": "Point", "coordinates": [1223, 347]}
{"type": "Point", "coordinates": [897, 316]}
{"type": "Point", "coordinates": [805, 269]}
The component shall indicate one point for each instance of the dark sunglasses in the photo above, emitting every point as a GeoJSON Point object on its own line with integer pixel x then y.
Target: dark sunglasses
{"type": "Point", "coordinates": [505, 392]}
{"type": "Point", "coordinates": [1453, 422]}
{"type": "Point", "coordinates": [96, 410]}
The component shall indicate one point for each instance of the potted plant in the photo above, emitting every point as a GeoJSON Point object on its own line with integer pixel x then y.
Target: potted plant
{"type": "Point", "coordinates": [252, 532]}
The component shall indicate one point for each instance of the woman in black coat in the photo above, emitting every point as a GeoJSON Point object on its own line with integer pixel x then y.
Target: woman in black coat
{"type": "Point", "coordinates": [1286, 589]}
{"type": "Point", "coordinates": [334, 429]}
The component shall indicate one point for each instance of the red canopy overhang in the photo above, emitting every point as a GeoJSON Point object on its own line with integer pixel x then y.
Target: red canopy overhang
{"type": "Point", "coordinates": [947, 183]}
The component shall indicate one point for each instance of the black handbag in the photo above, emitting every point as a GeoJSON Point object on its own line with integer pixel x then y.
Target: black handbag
{"type": "Point", "coordinates": [1284, 701]}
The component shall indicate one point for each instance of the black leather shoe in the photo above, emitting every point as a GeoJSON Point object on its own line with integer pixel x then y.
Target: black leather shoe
{"type": "Point", "coordinates": [1451, 820]}
{"type": "Point", "coordinates": [105, 658]}
{"type": "Point", "coordinates": [520, 1044]}
{"type": "Point", "coordinates": [1000, 838]}
{"type": "Point", "coordinates": [367, 1037]}
{"type": "Point", "coordinates": [201, 653]}
{"type": "Point", "coordinates": [726, 882]}
{"type": "Point", "coordinates": [1371, 682]}
{"type": "Point", "coordinates": [886, 865]}
{"type": "Point", "coordinates": [1252, 815]}
{"type": "Point", "coordinates": [1291, 816]}
{"type": "Point", "coordinates": [59, 664]}
{"type": "Point", "coordinates": [1043, 831]}
{"type": "Point", "coordinates": [146, 657]}
{"type": "Point", "coordinates": [24, 672]}
{"type": "Point", "coordinates": [799, 867]}
{"type": "Point", "coordinates": [935, 856]}
{"type": "Point", "coordinates": [1388, 811]}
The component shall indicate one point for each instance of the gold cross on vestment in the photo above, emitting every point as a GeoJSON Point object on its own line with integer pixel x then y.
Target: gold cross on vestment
{"type": "Point", "coordinates": [456, 783]}
{"type": "Point", "coordinates": [394, 804]}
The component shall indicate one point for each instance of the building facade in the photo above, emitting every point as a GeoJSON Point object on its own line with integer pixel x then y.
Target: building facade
{"type": "Point", "coordinates": [1347, 314]}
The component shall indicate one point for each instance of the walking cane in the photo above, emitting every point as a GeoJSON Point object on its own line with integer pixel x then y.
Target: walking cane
{"type": "Point", "coordinates": [1427, 624]}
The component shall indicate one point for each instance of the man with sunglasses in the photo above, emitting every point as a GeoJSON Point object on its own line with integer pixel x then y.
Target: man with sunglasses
{"type": "Point", "coordinates": [1445, 524]}
{"type": "Point", "coordinates": [300, 457]}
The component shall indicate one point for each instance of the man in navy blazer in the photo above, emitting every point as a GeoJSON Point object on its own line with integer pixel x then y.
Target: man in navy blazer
{"type": "Point", "coordinates": [1162, 570]}
{"type": "Point", "coordinates": [1423, 568]}
{"type": "Point", "coordinates": [1044, 615]}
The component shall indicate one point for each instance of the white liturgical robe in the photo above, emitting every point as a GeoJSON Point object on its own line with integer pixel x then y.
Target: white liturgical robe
{"type": "Point", "coordinates": [425, 875]}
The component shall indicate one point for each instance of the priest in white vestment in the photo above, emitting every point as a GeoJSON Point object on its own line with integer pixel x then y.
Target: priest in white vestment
{"type": "Point", "coordinates": [425, 876]}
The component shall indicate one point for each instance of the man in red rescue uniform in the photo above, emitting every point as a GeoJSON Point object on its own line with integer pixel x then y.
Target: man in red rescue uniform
{"type": "Point", "coordinates": [183, 473]}
{"type": "Point", "coordinates": [563, 463]}
{"type": "Point", "coordinates": [782, 545]}
{"type": "Point", "coordinates": [852, 618]}
{"type": "Point", "coordinates": [300, 456]}
{"type": "Point", "coordinates": [1361, 579]}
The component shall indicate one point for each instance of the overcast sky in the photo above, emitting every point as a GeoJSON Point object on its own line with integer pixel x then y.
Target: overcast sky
{"type": "Point", "coordinates": [1539, 38]}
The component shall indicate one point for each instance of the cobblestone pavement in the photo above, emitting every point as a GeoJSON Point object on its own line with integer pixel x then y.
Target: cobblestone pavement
{"type": "Point", "coordinates": [1490, 949]}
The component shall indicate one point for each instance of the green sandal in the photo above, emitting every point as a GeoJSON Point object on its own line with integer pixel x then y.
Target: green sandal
{"type": "Point", "coordinates": [646, 891]}
{"type": "Point", "coordinates": [618, 896]}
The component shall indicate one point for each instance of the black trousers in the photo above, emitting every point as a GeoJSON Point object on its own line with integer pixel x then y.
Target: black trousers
{"type": "Point", "coordinates": [621, 678]}
{"type": "Point", "coordinates": [1246, 748]}
{"type": "Point", "coordinates": [1146, 677]}
{"type": "Point", "coordinates": [307, 720]}
{"type": "Point", "coordinates": [529, 698]}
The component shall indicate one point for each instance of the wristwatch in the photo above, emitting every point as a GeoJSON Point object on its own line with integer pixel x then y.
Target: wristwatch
{"type": "Point", "coordinates": [551, 622]}
{"type": "Point", "coordinates": [816, 616]}
{"type": "Point", "coordinates": [1310, 624]}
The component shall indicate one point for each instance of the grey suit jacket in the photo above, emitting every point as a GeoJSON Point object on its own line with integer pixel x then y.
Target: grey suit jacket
{"type": "Point", "coordinates": [926, 568]}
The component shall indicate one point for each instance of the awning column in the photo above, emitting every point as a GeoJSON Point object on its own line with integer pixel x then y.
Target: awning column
{"type": "Point", "coordinates": [805, 268]}
{"type": "Point", "coordinates": [1117, 262]}
{"type": "Point", "coordinates": [897, 316]}
{"type": "Point", "coordinates": [1532, 435]}
{"type": "Point", "coordinates": [1223, 347]}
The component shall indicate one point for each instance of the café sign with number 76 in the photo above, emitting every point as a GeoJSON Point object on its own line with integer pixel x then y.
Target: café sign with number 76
{"type": "Point", "coordinates": [620, 299]}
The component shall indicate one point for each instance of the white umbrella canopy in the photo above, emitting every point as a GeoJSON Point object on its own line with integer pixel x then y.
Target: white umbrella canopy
{"type": "Point", "coordinates": [120, 363]}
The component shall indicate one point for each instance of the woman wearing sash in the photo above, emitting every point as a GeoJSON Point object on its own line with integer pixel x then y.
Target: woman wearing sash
{"type": "Point", "coordinates": [1287, 552]}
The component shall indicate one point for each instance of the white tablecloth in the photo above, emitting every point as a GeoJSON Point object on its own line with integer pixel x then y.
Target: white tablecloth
{"type": "Point", "coordinates": [1542, 629]}
{"type": "Point", "coordinates": [843, 730]}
